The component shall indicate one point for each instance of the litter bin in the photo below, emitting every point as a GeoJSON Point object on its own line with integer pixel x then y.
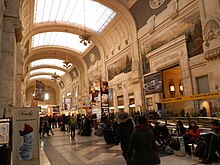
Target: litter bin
{"type": "Point", "coordinates": [5, 155]}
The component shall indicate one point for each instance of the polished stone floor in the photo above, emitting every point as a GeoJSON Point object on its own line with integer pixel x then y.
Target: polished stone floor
{"type": "Point", "coordinates": [59, 149]}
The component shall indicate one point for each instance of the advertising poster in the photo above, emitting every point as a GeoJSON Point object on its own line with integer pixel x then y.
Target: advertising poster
{"type": "Point", "coordinates": [94, 94]}
{"type": "Point", "coordinates": [25, 138]}
{"type": "Point", "coordinates": [104, 97]}
{"type": "Point", "coordinates": [68, 103]}
{"type": "Point", "coordinates": [110, 97]}
{"type": "Point", "coordinates": [39, 91]}
{"type": "Point", "coordinates": [153, 83]}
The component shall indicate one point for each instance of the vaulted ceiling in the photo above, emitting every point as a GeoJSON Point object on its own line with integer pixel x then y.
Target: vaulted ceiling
{"type": "Point", "coordinates": [51, 30]}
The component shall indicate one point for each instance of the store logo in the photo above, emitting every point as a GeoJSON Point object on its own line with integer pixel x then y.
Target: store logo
{"type": "Point", "coordinates": [24, 113]}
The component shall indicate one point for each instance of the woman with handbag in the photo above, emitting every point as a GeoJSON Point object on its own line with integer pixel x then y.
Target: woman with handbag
{"type": "Point", "coordinates": [142, 147]}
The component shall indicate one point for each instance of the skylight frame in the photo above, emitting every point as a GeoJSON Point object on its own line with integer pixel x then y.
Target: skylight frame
{"type": "Point", "coordinates": [97, 15]}
{"type": "Point", "coordinates": [40, 77]}
{"type": "Point", "coordinates": [47, 62]}
{"type": "Point", "coordinates": [47, 71]}
{"type": "Point", "coordinates": [63, 39]}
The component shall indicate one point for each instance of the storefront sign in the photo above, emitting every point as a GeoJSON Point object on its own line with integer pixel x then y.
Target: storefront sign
{"type": "Point", "coordinates": [25, 138]}
{"type": "Point", "coordinates": [193, 97]}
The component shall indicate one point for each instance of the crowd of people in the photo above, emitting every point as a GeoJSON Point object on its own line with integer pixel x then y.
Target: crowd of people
{"type": "Point", "coordinates": [70, 123]}
{"type": "Point", "coordinates": [139, 138]}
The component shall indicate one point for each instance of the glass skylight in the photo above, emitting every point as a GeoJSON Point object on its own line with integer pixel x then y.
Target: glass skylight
{"type": "Point", "coordinates": [49, 62]}
{"type": "Point", "coordinates": [58, 39]}
{"type": "Point", "coordinates": [41, 77]}
{"type": "Point", "coordinates": [94, 15]}
{"type": "Point", "coordinates": [47, 70]}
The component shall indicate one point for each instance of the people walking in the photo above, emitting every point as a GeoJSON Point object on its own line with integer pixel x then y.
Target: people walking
{"type": "Point", "coordinates": [142, 144]}
{"type": "Point", "coordinates": [124, 131]}
{"type": "Point", "coordinates": [72, 123]}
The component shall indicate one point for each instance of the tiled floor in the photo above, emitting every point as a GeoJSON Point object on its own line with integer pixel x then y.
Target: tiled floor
{"type": "Point", "coordinates": [59, 149]}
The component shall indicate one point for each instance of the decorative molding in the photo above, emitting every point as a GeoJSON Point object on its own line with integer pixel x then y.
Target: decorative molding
{"type": "Point", "coordinates": [166, 59]}
{"type": "Point", "coordinates": [174, 7]}
{"type": "Point", "coordinates": [211, 30]}
{"type": "Point", "coordinates": [135, 66]}
{"type": "Point", "coordinates": [151, 22]}
{"type": "Point", "coordinates": [212, 54]}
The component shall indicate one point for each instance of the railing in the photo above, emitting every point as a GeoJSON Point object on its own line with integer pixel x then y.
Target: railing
{"type": "Point", "coordinates": [204, 123]}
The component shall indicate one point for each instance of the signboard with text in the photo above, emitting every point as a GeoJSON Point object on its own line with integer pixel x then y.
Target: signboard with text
{"type": "Point", "coordinates": [25, 136]}
{"type": "Point", "coordinates": [193, 97]}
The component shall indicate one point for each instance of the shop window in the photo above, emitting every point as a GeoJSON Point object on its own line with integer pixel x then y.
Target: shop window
{"type": "Point", "coordinates": [120, 103]}
{"type": "Point", "coordinates": [131, 103]}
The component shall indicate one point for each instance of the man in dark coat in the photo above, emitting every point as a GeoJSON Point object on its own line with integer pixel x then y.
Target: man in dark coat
{"type": "Point", "coordinates": [142, 144]}
{"type": "Point", "coordinates": [124, 131]}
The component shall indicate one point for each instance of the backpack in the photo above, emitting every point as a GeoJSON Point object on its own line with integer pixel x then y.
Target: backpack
{"type": "Point", "coordinates": [73, 122]}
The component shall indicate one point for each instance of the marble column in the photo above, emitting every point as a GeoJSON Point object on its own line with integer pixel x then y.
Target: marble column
{"type": "Point", "coordinates": [8, 60]}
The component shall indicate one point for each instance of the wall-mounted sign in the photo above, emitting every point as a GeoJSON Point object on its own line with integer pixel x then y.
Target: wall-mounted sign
{"type": "Point", "coordinates": [193, 97]}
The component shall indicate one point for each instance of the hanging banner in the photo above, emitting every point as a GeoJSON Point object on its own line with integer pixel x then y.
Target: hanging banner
{"type": "Point", "coordinates": [193, 97]}
{"type": "Point", "coordinates": [25, 138]}
{"type": "Point", "coordinates": [39, 91]}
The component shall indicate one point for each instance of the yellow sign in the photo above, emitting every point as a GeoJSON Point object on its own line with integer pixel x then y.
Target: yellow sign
{"type": "Point", "coordinates": [193, 97]}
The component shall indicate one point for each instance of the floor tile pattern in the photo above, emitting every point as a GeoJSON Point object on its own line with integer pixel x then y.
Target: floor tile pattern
{"type": "Point", "coordinates": [61, 150]}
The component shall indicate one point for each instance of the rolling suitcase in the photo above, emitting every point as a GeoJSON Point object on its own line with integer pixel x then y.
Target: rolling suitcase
{"type": "Point", "coordinates": [206, 143]}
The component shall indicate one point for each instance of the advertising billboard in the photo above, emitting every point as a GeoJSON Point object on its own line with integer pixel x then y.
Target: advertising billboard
{"type": "Point", "coordinates": [153, 83]}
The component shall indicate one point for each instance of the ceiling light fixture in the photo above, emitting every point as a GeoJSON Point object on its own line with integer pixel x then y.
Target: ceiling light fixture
{"type": "Point", "coordinates": [85, 38]}
{"type": "Point", "coordinates": [55, 77]}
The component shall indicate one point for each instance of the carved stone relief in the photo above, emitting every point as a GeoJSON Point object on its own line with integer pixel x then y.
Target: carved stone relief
{"type": "Point", "coordinates": [154, 4]}
{"type": "Point", "coordinates": [211, 30]}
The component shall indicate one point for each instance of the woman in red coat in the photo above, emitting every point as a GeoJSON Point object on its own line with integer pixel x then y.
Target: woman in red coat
{"type": "Point", "coordinates": [191, 136]}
